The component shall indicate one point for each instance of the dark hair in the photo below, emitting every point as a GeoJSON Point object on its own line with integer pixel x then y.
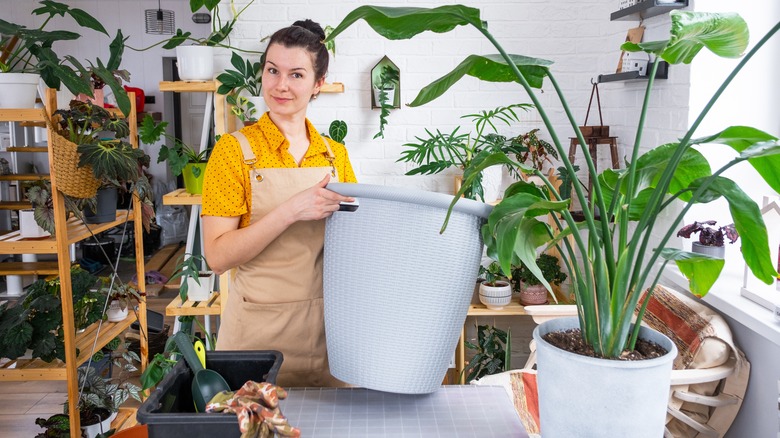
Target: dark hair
{"type": "Point", "coordinates": [308, 35]}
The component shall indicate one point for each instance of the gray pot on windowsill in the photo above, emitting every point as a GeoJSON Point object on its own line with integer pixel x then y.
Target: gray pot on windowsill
{"type": "Point", "coordinates": [718, 252]}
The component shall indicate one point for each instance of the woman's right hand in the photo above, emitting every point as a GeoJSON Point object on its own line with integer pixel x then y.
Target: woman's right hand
{"type": "Point", "coordinates": [316, 202]}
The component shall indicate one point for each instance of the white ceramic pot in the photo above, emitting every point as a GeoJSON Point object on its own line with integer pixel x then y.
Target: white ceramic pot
{"type": "Point", "coordinates": [195, 63]}
{"type": "Point", "coordinates": [590, 397]}
{"type": "Point", "coordinates": [94, 430]}
{"type": "Point", "coordinates": [18, 90]}
{"type": "Point", "coordinates": [491, 183]}
{"type": "Point", "coordinates": [718, 252]}
{"type": "Point", "coordinates": [115, 313]}
{"type": "Point", "coordinates": [260, 106]}
{"type": "Point", "coordinates": [202, 291]}
{"type": "Point", "coordinates": [28, 228]}
{"type": "Point", "coordinates": [422, 282]}
{"type": "Point", "coordinates": [495, 297]}
{"type": "Point", "coordinates": [390, 96]}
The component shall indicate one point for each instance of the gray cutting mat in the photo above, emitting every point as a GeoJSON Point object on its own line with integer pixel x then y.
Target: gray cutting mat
{"type": "Point", "coordinates": [454, 411]}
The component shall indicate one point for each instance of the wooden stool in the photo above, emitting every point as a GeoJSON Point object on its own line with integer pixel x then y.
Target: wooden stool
{"type": "Point", "coordinates": [592, 143]}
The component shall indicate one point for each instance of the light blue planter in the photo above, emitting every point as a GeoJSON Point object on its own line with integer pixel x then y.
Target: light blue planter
{"type": "Point", "coordinates": [396, 290]}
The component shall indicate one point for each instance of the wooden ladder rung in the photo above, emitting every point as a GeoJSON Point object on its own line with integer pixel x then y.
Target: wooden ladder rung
{"type": "Point", "coordinates": [14, 205]}
{"type": "Point", "coordinates": [24, 177]}
{"type": "Point", "coordinates": [29, 268]}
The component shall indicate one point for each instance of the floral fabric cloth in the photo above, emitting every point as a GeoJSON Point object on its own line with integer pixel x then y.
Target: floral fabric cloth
{"type": "Point", "coordinates": [257, 407]}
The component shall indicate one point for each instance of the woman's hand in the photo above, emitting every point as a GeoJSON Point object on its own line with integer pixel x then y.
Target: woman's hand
{"type": "Point", "coordinates": [316, 202]}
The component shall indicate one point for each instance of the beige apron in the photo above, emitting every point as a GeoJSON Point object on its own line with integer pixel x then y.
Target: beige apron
{"type": "Point", "coordinates": [275, 300]}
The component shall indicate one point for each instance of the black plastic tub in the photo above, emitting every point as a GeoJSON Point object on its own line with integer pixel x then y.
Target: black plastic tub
{"type": "Point", "coordinates": [170, 411]}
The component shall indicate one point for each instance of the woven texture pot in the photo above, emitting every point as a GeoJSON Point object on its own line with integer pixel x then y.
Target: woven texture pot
{"type": "Point", "coordinates": [583, 396]}
{"type": "Point", "coordinates": [396, 290]}
{"type": "Point", "coordinates": [74, 181]}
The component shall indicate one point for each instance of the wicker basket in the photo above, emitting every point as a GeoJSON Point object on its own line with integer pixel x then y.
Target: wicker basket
{"type": "Point", "coordinates": [393, 284]}
{"type": "Point", "coordinates": [74, 181]}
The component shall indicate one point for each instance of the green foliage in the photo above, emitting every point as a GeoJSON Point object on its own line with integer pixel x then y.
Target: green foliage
{"type": "Point", "coordinates": [338, 131]}
{"type": "Point", "coordinates": [36, 322]}
{"type": "Point", "coordinates": [387, 81]}
{"type": "Point", "coordinates": [440, 151]}
{"type": "Point", "coordinates": [160, 365]}
{"type": "Point", "coordinates": [96, 392]}
{"type": "Point", "coordinates": [493, 352]}
{"type": "Point", "coordinates": [125, 293]}
{"type": "Point", "coordinates": [57, 426]}
{"type": "Point", "coordinates": [188, 266]}
{"type": "Point", "coordinates": [247, 76]}
{"type": "Point", "coordinates": [610, 262]}
{"type": "Point", "coordinates": [548, 265]}
{"type": "Point", "coordinates": [178, 155]}
{"type": "Point", "coordinates": [241, 107]}
{"type": "Point", "coordinates": [492, 273]}
{"type": "Point", "coordinates": [534, 150]}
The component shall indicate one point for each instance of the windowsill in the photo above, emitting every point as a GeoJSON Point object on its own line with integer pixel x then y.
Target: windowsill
{"type": "Point", "coordinates": [725, 297]}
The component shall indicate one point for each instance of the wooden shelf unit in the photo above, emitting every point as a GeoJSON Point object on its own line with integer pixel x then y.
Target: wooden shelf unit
{"type": "Point", "coordinates": [73, 231]}
{"type": "Point", "coordinates": [197, 308]}
{"type": "Point", "coordinates": [181, 197]}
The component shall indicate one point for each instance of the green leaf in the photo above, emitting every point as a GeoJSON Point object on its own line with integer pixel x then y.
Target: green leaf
{"type": "Point", "coordinates": [84, 19]}
{"type": "Point", "coordinates": [338, 130]}
{"type": "Point", "coordinates": [726, 35]}
{"type": "Point", "coordinates": [177, 39]}
{"type": "Point", "coordinates": [151, 132]}
{"type": "Point", "coordinates": [761, 150]}
{"type": "Point", "coordinates": [404, 23]}
{"type": "Point", "coordinates": [492, 68]}
{"type": "Point", "coordinates": [701, 271]}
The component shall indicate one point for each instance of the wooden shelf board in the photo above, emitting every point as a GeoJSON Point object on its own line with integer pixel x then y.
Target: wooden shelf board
{"type": "Point", "coordinates": [646, 9]}
{"type": "Point", "coordinates": [27, 149]}
{"type": "Point", "coordinates": [22, 115]}
{"type": "Point", "coordinates": [187, 86]}
{"type": "Point", "coordinates": [210, 307]}
{"type": "Point", "coordinates": [181, 197]}
{"type": "Point", "coordinates": [335, 87]}
{"type": "Point", "coordinates": [13, 243]}
{"type": "Point", "coordinates": [36, 369]}
{"type": "Point", "coordinates": [24, 177]}
{"type": "Point", "coordinates": [27, 124]}
{"type": "Point", "coordinates": [513, 308]}
{"type": "Point", "coordinates": [125, 419]}
{"type": "Point", "coordinates": [29, 268]}
{"type": "Point", "coordinates": [14, 205]}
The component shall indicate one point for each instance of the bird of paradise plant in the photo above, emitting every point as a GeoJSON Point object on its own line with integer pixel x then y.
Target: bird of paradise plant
{"type": "Point", "coordinates": [610, 258]}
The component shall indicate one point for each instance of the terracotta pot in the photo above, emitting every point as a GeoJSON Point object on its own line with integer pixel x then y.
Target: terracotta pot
{"type": "Point", "coordinates": [533, 295]}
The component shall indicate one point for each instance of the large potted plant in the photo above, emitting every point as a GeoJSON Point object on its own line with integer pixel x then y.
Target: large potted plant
{"type": "Point", "coordinates": [610, 261]}
{"type": "Point", "coordinates": [27, 55]}
{"type": "Point", "coordinates": [181, 158]}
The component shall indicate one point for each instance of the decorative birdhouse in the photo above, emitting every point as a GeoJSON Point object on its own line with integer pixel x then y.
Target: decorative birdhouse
{"type": "Point", "coordinates": [766, 294]}
{"type": "Point", "coordinates": [385, 84]}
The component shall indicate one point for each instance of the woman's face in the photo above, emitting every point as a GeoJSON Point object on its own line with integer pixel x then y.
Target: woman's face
{"type": "Point", "coordinates": [288, 80]}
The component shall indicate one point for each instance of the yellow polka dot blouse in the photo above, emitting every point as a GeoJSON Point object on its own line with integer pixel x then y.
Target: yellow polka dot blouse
{"type": "Point", "coordinates": [226, 188]}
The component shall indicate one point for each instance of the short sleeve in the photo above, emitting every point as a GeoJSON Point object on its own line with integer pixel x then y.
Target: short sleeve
{"type": "Point", "coordinates": [224, 185]}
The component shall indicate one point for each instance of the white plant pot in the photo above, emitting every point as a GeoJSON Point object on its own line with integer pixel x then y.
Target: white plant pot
{"type": "Point", "coordinates": [115, 313]}
{"type": "Point", "coordinates": [18, 90]}
{"type": "Point", "coordinates": [495, 297]}
{"type": "Point", "coordinates": [586, 396]}
{"type": "Point", "coordinates": [718, 252]}
{"type": "Point", "coordinates": [491, 183]}
{"type": "Point", "coordinates": [202, 291]}
{"type": "Point", "coordinates": [28, 228]}
{"type": "Point", "coordinates": [390, 97]}
{"type": "Point", "coordinates": [422, 282]}
{"type": "Point", "coordinates": [195, 63]}
{"type": "Point", "coordinates": [93, 430]}
{"type": "Point", "coordinates": [260, 106]}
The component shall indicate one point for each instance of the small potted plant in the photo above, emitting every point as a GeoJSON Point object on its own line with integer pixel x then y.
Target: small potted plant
{"type": "Point", "coordinates": [532, 291]}
{"type": "Point", "coordinates": [495, 292]}
{"type": "Point", "coordinates": [197, 280]}
{"type": "Point", "coordinates": [243, 87]}
{"type": "Point", "coordinates": [120, 298]}
{"type": "Point", "coordinates": [711, 238]}
{"type": "Point", "coordinates": [384, 95]}
{"type": "Point", "coordinates": [493, 352]}
{"type": "Point", "coordinates": [181, 158]}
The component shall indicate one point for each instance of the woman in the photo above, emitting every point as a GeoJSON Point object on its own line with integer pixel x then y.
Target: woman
{"type": "Point", "coordinates": [264, 205]}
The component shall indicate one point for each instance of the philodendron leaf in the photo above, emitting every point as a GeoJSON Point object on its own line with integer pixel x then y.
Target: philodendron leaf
{"type": "Point", "coordinates": [700, 270]}
{"type": "Point", "coordinates": [338, 130]}
{"type": "Point", "coordinates": [726, 35]}
{"type": "Point", "coordinates": [404, 23]}
{"type": "Point", "coordinates": [491, 68]}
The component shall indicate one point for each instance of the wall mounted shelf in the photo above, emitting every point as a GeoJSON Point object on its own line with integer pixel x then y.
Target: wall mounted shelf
{"type": "Point", "coordinates": [661, 73]}
{"type": "Point", "coordinates": [646, 9]}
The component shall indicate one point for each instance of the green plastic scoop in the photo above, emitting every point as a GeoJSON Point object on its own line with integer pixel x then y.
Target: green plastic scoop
{"type": "Point", "coordinates": [206, 383]}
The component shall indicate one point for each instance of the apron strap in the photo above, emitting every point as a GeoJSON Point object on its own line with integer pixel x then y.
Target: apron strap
{"type": "Point", "coordinates": [250, 159]}
{"type": "Point", "coordinates": [246, 150]}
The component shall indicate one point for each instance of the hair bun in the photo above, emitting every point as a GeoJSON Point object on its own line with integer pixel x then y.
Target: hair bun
{"type": "Point", "coordinates": [311, 26]}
